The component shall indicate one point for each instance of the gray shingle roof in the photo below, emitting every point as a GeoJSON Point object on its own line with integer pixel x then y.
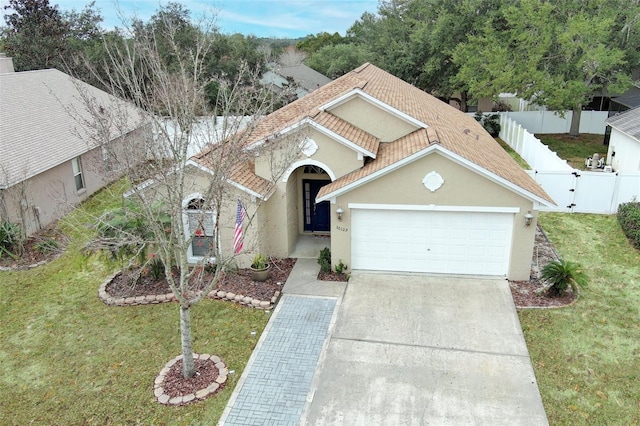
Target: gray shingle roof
{"type": "Point", "coordinates": [307, 77]}
{"type": "Point", "coordinates": [627, 122]}
{"type": "Point", "coordinates": [41, 121]}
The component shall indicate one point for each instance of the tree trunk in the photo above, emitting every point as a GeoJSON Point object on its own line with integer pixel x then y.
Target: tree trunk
{"type": "Point", "coordinates": [575, 121]}
{"type": "Point", "coordinates": [188, 366]}
{"type": "Point", "coordinates": [463, 101]}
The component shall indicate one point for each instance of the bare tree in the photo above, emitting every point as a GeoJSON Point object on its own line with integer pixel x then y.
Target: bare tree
{"type": "Point", "coordinates": [171, 88]}
{"type": "Point", "coordinates": [291, 56]}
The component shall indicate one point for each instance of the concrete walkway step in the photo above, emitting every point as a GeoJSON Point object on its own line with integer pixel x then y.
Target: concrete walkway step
{"type": "Point", "coordinates": [303, 280]}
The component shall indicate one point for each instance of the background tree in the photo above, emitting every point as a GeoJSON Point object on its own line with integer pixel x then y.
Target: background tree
{"type": "Point", "coordinates": [312, 43]}
{"type": "Point", "coordinates": [336, 60]}
{"type": "Point", "coordinates": [169, 86]}
{"type": "Point", "coordinates": [291, 56]}
{"type": "Point", "coordinates": [558, 54]}
{"type": "Point", "coordinates": [35, 34]}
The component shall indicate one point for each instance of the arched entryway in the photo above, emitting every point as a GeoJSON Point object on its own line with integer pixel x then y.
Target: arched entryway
{"type": "Point", "coordinates": [313, 220]}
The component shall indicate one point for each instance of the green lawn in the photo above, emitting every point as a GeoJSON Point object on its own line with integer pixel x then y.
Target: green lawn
{"type": "Point", "coordinates": [513, 154]}
{"type": "Point", "coordinates": [587, 357]}
{"type": "Point", "coordinates": [575, 150]}
{"type": "Point", "coordinates": [66, 358]}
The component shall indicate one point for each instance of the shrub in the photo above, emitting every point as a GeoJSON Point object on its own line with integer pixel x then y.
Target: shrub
{"type": "Point", "coordinates": [491, 122]}
{"type": "Point", "coordinates": [561, 274]}
{"type": "Point", "coordinates": [629, 219]}
{"type": "Point", "coordinates": [10, 239]}
{"type": "Point", "coordinates": [325, 260]}
{"type": "Point", "coordinates": [125, 231]}
{"type": "Point", "coordinates": [340, 267]}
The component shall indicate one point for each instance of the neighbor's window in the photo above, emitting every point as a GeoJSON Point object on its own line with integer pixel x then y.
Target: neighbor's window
{"type": "Point", "coordinates": [199, 226]}
{"type": "Point", "coordinates": [77, 173]}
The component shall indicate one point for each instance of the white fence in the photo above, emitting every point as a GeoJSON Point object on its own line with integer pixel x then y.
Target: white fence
{"type": "Point", "coordinates": [573, 190]}
{"type": "Point", "coordinates": [548, 122]}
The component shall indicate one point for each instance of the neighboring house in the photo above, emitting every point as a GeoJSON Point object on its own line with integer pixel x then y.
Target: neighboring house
{"type": "Point", "coordinates": [624, 144]}
{"type": "Point", "coordinates": [50, 159]}
{"type": "Point", "coordinates": [303, 79]}
{"type": "Point", "coordinates": [399, 180]}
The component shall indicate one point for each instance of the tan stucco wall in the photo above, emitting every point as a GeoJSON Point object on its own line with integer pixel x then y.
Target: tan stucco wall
{"type": "Point", "coordinates": [294, 212]}
{"type": "Point", "coordinates": [462, 187]}
{"type": "Point", "coordinates": [373, 120]}
{"type": "Point", "coordinates": [197, 181]}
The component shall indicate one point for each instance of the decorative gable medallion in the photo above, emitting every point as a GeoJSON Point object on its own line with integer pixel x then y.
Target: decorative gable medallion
{"type": "Point", "coordinates": [433, 181]}
{"type": "Point", "coordinates": [308, 147]}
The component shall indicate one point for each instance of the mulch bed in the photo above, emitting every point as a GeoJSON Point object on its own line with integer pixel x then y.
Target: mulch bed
{"type": "Point", "coordinates": [176, 385]}
{"type": "Point", "coordinates": [532, 294]}
{"type": "Point", "coordinates": [238, 282]}
{"type": "Point", "coordinates": [332, 276]}
{"type": "Point", "coordinates": [33, 254]}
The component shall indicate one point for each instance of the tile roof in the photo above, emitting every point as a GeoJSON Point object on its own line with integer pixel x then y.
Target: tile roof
{"type": "Point", "coordinates": [627, 122]}
{"type": "Point", "coordinates": [449, 127]}
{"type": "Point", "coordinates": [42, 118]}
{"type": "Point", "coordinates": [388, 154]}
{"type": "Point", "coordinates": [364, 140]}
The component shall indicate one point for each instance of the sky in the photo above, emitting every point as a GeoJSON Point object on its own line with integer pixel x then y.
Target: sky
{"type": "Point", "coordinates": [262, 18]}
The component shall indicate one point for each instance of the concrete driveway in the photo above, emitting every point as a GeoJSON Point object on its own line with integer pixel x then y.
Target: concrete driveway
{"type": "Point", "coordinates": [420, 350]}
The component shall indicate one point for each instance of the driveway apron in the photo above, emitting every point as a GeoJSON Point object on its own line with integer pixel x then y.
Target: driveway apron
{"type": "Point", "coordinates": [421, 350]}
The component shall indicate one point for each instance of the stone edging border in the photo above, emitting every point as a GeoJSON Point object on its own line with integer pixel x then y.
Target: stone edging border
{"type": "Point", "coordinates": [32, 266]}
{"type": "Point", "coordinates": [170, 297]}
{"type": "Point", "coordinates": [163, 398]}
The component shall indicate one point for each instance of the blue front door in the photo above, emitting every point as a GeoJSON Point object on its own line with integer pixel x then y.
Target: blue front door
{"type": "Point", "coordinates": [316, 215]}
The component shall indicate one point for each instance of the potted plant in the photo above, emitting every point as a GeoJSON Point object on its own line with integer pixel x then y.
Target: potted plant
{"type": "Point", "coordinates": [260, 267]}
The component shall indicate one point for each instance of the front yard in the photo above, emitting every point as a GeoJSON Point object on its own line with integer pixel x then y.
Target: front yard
{"type": "Point", "coordinates": [67, 358]}
{"type": "Point", "coordinates": [587, 357]}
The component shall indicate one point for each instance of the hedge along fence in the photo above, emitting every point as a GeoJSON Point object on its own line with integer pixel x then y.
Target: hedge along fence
{"type": "Point", "coordinates": [629, 218]}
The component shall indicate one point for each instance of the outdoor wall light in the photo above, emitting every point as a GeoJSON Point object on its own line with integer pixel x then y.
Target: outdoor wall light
{"type": "Point", "coordinates": [339, 213]}
{"type": "Point", "coordinates": [528, 218]}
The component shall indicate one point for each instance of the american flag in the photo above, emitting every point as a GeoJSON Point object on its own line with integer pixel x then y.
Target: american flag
{"type": "Point", "coordinates": [237, 235]}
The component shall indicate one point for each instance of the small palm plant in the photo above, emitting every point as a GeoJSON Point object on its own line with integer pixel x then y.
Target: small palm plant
{"type": "Point", "coordinates": [562, 274]}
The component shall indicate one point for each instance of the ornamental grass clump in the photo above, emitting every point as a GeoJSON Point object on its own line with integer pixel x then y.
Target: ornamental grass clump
{"type": "Point", "coordinates": [562, 274]}
{"type": "Point", "coordinates": [10, 239]}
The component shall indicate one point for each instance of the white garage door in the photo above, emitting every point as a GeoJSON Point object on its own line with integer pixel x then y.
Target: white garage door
{"type": "Point", "coordinates": [431, 241]}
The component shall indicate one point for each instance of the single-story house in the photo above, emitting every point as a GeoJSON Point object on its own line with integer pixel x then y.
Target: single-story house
{"type": "Point", "coordinates": [624, 144]}
{"type": "Point", "coordinates": [305, 79]}
{"type": "Point", "coordinates": [50, 157]}
{"type": "Point", "coordinates": [398, 180]}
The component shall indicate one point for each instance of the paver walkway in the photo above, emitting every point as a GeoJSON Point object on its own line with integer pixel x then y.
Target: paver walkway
{"type": "Point", "coordinates": [277, 379]}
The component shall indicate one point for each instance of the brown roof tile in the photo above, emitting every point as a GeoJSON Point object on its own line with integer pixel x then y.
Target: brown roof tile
{"type": "Point", "coordinates": [449, 127]}
{"type": "Point", "coordinates": [364, 140]}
